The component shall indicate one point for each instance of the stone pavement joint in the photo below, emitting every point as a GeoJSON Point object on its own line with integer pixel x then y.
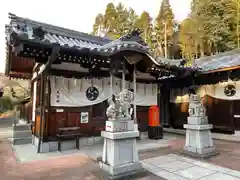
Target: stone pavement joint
{"type": "Point", "coordinates": [175, 167]}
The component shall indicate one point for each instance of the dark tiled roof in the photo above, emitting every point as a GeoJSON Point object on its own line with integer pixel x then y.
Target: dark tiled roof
{"type": "Point", "coordinates": [208, 63]}
{"type": "Point", "coordinates": [220, 61]}
{"type": "Point", "coordinates": [175, 63]}
{"type": "Point", "coordinates": [26, 29]}
{"type": "Point", "coordinates": [46, 34]}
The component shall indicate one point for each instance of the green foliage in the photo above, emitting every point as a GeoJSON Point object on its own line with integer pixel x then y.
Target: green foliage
{"type": "Point", "coordinates": [98, 25]}
{"type": "Point", "coordinates": [116, 21]}
{"type": "Point", "coordinates": [211, 27]}
{"type": "Point", "coordinates": [164, 28]}
{"type": "Point", "coordinates": [6, 104]}
{"type": "Point", "coordinates": [144, 23]}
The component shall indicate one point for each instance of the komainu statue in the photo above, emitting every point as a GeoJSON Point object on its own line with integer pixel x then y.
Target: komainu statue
{"type": "Point", "coordinates": [196, 108]}
{"type": "Point", "coordinates": [119, 105]}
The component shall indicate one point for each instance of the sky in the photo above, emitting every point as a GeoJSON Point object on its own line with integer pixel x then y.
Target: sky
{"type": "Point", "coordinates": [75, 14]}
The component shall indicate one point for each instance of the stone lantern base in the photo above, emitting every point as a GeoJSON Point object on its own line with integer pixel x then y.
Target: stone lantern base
{"type": "Point", "coordinates": [120, 155]}
{"type": "Point", "coordinates": [199, 141]}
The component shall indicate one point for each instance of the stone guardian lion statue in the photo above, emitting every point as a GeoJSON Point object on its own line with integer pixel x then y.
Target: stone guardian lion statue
{"type": "Point", "coordinates": [119, 105]}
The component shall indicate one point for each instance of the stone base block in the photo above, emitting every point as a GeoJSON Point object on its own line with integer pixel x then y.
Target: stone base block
{"type": "Point", "coordinates": [120, 135]}
{"type": "Point", "coordinates": [199, 150]}
{"type": "Point", "coordinates": [52, 146]}
{"type": "Point", "coordinates": [120, 148]}
{"type": "Point", "coordinates": [198, 137]}
{"type": "Point", "coordinates": [120, 125]}
{"type": "Point", "coordinates": [198, 127]}
{"type": "Point", "coordinates": [122, 171]}
{"type": "Point", "coordinates": [199, 141]}
{"type": "Point", "coordinates": [197, 120]}
{"type": "Point", "coordinates": [208, 153]}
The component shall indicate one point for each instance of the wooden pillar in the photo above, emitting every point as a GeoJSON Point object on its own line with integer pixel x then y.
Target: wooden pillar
{"type": "Point", "coordinates": [123, 75]}
{"type": "Point", "coordinates": [41, 112]}
{"type": "Point", "coordinates": [232, 113]}
{"type": "Point", "coordinates": [164, 105]}
{"type": "Point", "coordinates": [48, 105]}
{"type": "Point", "coordinates": [134, 94]}
{"type": "Point", "coordinates": [111, 83]}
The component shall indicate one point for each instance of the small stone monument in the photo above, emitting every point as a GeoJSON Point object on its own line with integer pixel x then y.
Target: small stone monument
{"type": "Point", "coordinates": [199, 141]}
{"type": "Point", "coordinates": [120, 155]}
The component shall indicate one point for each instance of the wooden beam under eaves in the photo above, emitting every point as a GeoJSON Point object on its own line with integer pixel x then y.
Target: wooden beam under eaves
{"type": "Point", "coordinates": [222, 69]}
{"type": "Point", "coordinates": [52, 58]}
{"type": "Point", "coordinates": [17, 49]}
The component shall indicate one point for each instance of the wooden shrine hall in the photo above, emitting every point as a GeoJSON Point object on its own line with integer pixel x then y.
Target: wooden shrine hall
{"type": "Point", "coordinates": [73, 74]}
{"type": "Point", "coordinates": [216, 81]}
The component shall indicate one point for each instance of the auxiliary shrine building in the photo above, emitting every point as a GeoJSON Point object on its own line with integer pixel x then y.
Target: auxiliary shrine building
{"type": "Point", "coordinates": [73, 74]}
{"type": "Point", "coordinates": [216, 81]}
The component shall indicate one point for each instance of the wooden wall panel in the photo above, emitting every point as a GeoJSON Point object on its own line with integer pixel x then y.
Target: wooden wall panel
{"type": "Point", "coordinates": [218, 111]}
{"type": "Point", "coordinates": [22, 65]}
{"type": "Point", "coordinates": [71, 117]}
{"type": "Point", "coordinates": [178, 114]}
{"type": "Point", "coordinates": [52, 125]}
{"type": "Point", "coordinates": [36, 127]}
{"type": "Point", "coordinates": [237, 112]}
{"type": "Point", "coordinates": [142, 117]}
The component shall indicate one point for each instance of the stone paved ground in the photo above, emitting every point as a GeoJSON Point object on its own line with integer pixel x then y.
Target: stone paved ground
{"type": "Point", "coordinates": [212, 169]}
{"type": "Point", "coordinates": [176, 167]}
{"type": "Point", "coordinates": [74, 167]}
{"type": "Point", "coordinates": [229, 153]}
{"type": "Point", "coordinates": [81, 167]}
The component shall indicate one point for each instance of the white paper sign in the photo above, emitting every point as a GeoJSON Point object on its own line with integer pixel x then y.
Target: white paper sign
{"type": "Point", "coordinates": [109, 126]}
{"type": "Point", "coordinates": [59, 110]}
{"type": "Point", "coordinates": [84, 117]}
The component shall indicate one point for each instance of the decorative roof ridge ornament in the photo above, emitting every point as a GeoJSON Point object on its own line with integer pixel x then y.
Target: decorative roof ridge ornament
{"type": "Point", "coordinates": [12, 16]}
{"type": "Point", "coordinates": [134, 35]}
{"type": "Point", "coordinates": [176, 62]}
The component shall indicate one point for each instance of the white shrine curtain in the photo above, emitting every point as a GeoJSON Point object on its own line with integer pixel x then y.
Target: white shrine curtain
{"type": "Point", "coordinates": [71, 92]}
{"type": "Point", "coordinates": [215, 91]}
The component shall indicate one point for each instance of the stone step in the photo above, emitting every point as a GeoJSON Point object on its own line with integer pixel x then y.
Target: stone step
{"type": "Point", "coordinates": [6, 122]}
{"type": "Point", "coordinates": [21, 127]}
{"type": "Point", "coordinates": [19, 141]}
{"type": "Point", "coordinates": [22, 134]}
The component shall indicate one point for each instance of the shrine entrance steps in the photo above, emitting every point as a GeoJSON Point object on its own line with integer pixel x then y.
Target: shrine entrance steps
{"type": "Point", "coordinates": [22, 133]}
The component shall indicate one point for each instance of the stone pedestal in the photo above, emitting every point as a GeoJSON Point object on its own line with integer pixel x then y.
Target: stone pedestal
{"type": "Point", "coordinates": [199, 141]}
{"type": "Point", "coordinates": [120, 155]}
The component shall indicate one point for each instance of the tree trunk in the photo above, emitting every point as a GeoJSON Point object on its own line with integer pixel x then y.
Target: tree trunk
{"type": "Point", "coordinates": [160, 48]}
{"type": "Point", "coordinates": [201, 49]}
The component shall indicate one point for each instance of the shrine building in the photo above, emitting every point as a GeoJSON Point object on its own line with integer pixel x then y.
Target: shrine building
{"type": "Point", "coordinates": [73, 74]}
{"type": "Point", "coordinates": [217, 83]}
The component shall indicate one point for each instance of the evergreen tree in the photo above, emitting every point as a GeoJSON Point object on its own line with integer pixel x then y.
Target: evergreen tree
{"type": "Point", "coordinates": [110, 19]}
{"type": "Point", "coordinates": [98, 25]}
{"type": "Point", "coordinates": [210, 28]}
{"type": "Point", "coordinates": [144, 23]}
{"type": "Point", "coordinates": [164, 27]}
{"type": "Point", "coordinates": [188, 40]}
{"type": "Point", "coordinates": [122, 19]}
{"type": "Point", "coordinates": [132, 20]}
{"type": "Point", "coordinates": [116, 22]}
